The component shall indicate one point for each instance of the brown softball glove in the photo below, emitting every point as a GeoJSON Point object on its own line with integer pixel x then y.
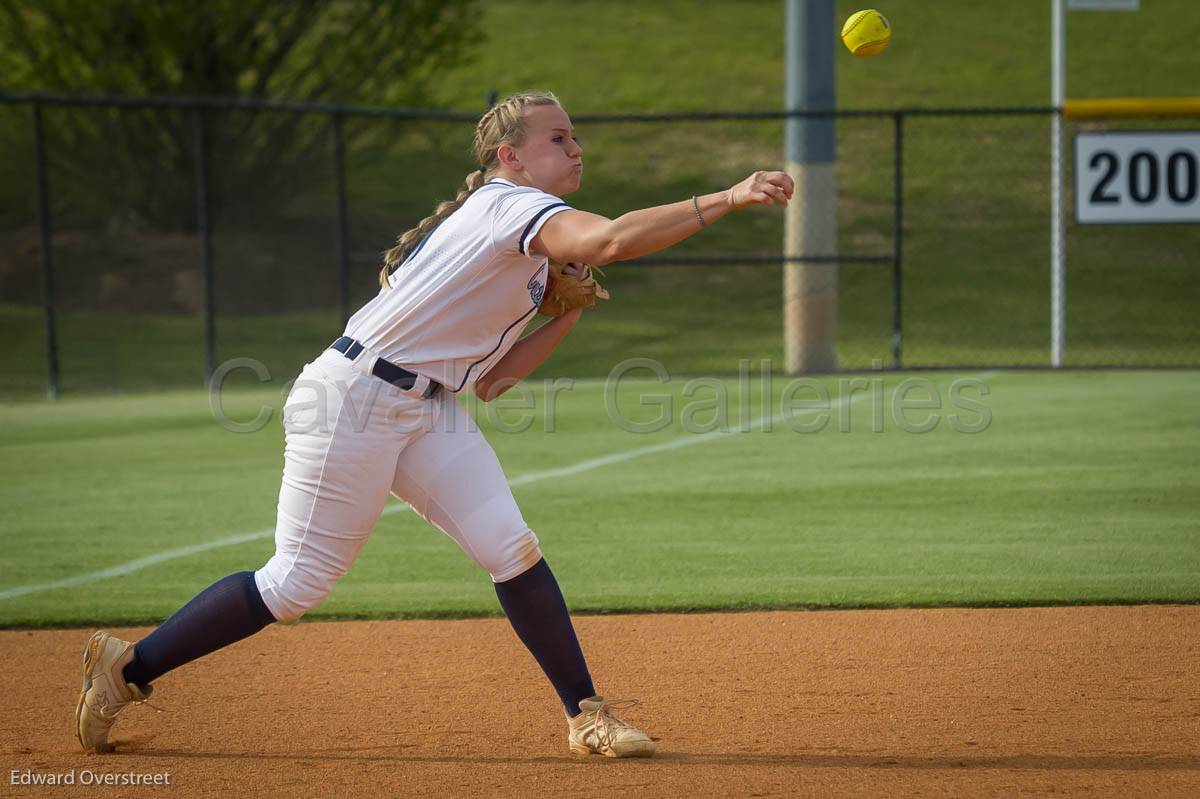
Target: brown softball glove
{"type": "Point", "coordinates": [570, 286]}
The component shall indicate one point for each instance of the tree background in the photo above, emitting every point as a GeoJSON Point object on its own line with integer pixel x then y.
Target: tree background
{"type": "Point", "coordinates": [135, 168]}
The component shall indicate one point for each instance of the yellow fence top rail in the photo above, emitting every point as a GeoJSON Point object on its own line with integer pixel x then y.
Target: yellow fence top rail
{"type": "Point", "coordinates": [1132, 107]}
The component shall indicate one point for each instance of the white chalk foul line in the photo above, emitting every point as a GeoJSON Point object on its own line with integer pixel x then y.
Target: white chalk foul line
{"type": "Point", "coordinates": [135, 565]}
{"type": "Point", "coordinates": [525, 479]}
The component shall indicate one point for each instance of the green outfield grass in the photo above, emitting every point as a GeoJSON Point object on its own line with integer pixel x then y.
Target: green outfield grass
{"type": "Point", "coordinates": [1084, 487]}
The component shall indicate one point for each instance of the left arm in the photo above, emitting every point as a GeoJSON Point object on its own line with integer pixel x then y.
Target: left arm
{"type": "Point", "coordinates": [525, 356]}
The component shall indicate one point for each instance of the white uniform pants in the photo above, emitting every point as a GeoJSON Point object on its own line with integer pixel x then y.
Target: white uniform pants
{"type": "Point", "coordinates": [352, 438]}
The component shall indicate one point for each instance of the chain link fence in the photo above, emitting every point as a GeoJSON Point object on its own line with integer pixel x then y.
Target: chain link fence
{"type": "Point", "coordinates": [183, 234]}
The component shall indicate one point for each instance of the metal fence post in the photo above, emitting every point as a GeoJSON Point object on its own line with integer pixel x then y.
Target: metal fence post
{"type": "Point", "coordinates": [202, 227]}
{"type": "Point", "coordinates": [898, 244]}
{"type": "Point", "coordinates": [343, 252]}
{"type": "Point", "coordinates": [810, 287]}
{"type": "Point", "coordinates": [45, 223]}
{"type": "Point", "coordinates": [1057, 250]}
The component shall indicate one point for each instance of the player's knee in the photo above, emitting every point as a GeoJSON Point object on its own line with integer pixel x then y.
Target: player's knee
{"type": "Point", "coordinates": [291, 594]}
{"type": "Point", "coordinates": [512, 556]}
{"type": "Point", "coordinates": [287, 609]}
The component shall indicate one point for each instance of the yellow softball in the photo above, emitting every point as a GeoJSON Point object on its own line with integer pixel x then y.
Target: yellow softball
{"type": "Point", "coordinates": [866, 33]}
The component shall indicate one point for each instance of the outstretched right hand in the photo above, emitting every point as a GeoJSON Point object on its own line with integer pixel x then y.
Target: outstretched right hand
{"type": "Point", "coordinates": [762, 188]}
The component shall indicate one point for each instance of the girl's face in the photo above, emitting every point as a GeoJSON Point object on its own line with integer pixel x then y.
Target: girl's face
{"type": "Point", "coordinates": [550, 159]}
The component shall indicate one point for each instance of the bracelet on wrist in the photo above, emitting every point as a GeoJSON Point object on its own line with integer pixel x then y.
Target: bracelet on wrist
{"type": "Point", "coordinates": [699, 216]}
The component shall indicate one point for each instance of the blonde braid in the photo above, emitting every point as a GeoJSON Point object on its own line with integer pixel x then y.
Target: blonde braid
{"type": "Point", "coordinates": [408, 242]}
{"type": "Point", "coordinates": [504, 123]}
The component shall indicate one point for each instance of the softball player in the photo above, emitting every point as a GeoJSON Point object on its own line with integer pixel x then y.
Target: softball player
{"type": "Point", "coordinates": [376, 414]}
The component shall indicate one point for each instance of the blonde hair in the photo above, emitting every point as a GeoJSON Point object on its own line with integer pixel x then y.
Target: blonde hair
{"type": "Point", "coordinates": [504, 123]}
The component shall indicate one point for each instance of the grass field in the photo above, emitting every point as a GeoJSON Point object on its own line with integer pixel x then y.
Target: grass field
{"type": "Point", "coordinates": [1083, 487]}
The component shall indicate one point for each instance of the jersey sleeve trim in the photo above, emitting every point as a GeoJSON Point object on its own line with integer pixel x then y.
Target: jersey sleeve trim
{"type": "Point", "coordinates": [535, 224]}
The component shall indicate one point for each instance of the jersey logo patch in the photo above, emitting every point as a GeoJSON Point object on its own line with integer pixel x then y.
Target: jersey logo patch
{"type": "Point", "coordinates": [536, 289]}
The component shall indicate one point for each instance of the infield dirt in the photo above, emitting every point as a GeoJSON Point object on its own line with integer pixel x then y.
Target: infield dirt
{"type": "Point", "coordinates": [1080, 701]}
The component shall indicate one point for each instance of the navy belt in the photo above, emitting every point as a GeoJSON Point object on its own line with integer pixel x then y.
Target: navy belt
{"type": "Point", "coordinates": [384, 370]}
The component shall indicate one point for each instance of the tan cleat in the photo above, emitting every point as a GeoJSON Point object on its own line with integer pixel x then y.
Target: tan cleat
{"type": "Point", "coordinates": [597, 731]}
{"type": "Point", "coordinates": [105, 692]}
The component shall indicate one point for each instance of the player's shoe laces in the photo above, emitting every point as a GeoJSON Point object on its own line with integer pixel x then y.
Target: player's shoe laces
{"type": "Point", "coordinates": [597, 731]}
{"type": "Point", "coordinates": [105, 692]}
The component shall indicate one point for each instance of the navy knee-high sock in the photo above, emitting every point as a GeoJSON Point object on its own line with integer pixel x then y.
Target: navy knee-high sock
{"type": "Point", "coordinates": [227, 611]}
{"type": "Point", "coordinates": [535, 608]}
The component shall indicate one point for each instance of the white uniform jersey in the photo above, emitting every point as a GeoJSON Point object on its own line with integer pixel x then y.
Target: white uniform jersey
{"type": "Point", "coordinates": [461, 299]}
